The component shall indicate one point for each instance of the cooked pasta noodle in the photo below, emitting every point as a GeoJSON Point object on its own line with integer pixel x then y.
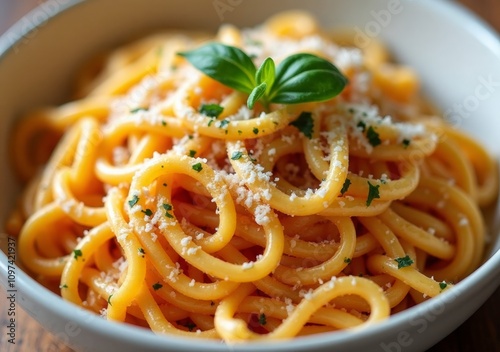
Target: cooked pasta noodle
{"type": "Point", "coordinates": [239, 227]}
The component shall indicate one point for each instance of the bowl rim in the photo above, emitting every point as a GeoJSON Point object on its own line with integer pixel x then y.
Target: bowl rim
{"type": "Point", "coordinates": [28, 287]}
{"type": "Point", "coordinates": [20, 29]}
{"type": "Point", "coordinates": [40, 295]}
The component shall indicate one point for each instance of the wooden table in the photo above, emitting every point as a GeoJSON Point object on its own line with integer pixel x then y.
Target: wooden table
{"type": "Point", "coordinates": [480, 333]}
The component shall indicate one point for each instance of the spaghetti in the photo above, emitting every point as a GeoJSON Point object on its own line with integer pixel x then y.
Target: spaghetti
{"type": "Point", "coordinates": [244, 225]}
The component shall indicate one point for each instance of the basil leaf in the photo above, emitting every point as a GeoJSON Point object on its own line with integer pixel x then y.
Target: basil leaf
{"type": "Point", "coordinates": [257, 93]}
{"type": "Point", "coordinates": [299, 78]}
{"type": "Point", "coordinates": [266, 73]}
{"type": "Point", "coordinates": [226, 64]}
{"type": "Point", "coordinates": [304, 78]}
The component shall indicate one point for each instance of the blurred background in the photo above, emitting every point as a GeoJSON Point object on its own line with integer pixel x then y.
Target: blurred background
{"type": "Point", "coordinates": [12, 10]}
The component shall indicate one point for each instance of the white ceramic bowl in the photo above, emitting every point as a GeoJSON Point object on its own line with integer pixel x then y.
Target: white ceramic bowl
{"type": "Point", "coordinates": [457, 56]}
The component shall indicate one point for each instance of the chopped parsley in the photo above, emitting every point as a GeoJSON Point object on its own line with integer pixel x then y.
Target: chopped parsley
{"type": "Point", "coordinates": [305, 124]}
{"type": "Point", "coordinates": [197, 167]}
{"type": "Point", "coordinates": [168, 215]}
{"type": "Point", "coordinates": [403, 262]}
{"type": "Point", "coordinates": [373, 192]}
{"type": "Point", "coordinates": [262, 319]}
{"type": "Point", "coordinates": [361, 125]}
{"type": "Point", "coordinates": [148, 212]}
{"type": "Point", "coordinates": [77, 253]}
{"type": "Point", "coordinates": [373, 136]}
{"type": "Point", "coordinates": [133, 201]}
{"type": "Point", "coordinates": [133, 111]}
{"type": "Point", "coordinates": [192, 153]}
{"type": "Point", "coordinates": [190, 326]}
{"type": "Point", "coordinates": [142, 252]}
{"type": "Point", "coordinates": [345, 186]}
{"type": "Point", "coordinates": [109, 299]}
{"type": "Point", "coordinates": [224, 123]}
{"type": "Point", "coordinates": [347, 260]}
{"type": "Point", "coordinates": [157, 286]}
{"type": "Point", "coordinates": [163, 122]}
{"type": "Point", "coordinates": [251, 158]}
{"type": "Point", "coordinates": [406, 143]}
{"type": "Point", "coordinates": [236, 155]}
{"type": "Point", "coordinates": [255, 130]}
{"type": "Point", "coordinates": [211, 110]}
{"type": "Point", "coordinates": [63, 286]}
{"type": "Point", "coordinates": [167, 208]}
{"type": "Point", "coordinates": [443, 285]}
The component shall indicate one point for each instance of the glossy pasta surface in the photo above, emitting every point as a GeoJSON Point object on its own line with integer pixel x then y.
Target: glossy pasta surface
{"type": "Point", "coordinates": [244, 226]}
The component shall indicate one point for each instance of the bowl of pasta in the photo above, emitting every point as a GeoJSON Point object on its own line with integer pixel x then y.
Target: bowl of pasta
{"type": "Point", "coordinates": [249, 175]}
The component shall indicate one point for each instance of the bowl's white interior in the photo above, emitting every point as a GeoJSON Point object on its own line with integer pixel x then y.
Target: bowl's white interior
{"type": "Point", "coordinates": [452, 51]}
